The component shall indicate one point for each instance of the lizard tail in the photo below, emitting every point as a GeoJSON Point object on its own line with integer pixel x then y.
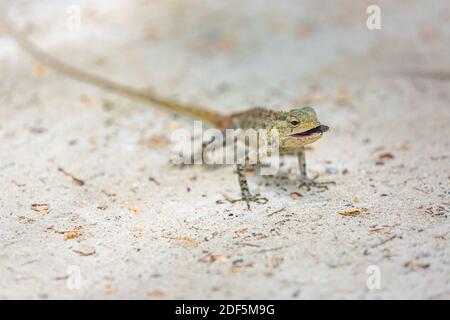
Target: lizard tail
{"type": "Point", "coordinates": [214, 118]}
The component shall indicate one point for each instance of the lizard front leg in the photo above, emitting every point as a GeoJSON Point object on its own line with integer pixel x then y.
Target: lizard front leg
{"type": "Point", "coordinates": [306, 182]}
{"type": "Point", "coordinates": [245, 192]}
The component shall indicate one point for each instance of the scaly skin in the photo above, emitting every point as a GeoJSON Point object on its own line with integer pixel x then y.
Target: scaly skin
{"type": "Point", "coordinates": [288, 124]}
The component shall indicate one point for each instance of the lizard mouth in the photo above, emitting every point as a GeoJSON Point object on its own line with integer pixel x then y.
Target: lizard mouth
{"type": "Point", "coordinates": [314, 132]}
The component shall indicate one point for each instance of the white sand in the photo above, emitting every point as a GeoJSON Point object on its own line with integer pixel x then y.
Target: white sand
{"type": "Point", "coordinates": [157, 239]}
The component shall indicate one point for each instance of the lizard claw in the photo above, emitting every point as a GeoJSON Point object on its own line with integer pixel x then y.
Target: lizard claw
{"type": "Point", "coordinates": [257, 198]}
{"type": "Point", "coordinates": [309, 183]}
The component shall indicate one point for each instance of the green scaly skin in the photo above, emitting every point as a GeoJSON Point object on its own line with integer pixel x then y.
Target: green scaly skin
{"type": "Point", "coordinates": [290, 125]}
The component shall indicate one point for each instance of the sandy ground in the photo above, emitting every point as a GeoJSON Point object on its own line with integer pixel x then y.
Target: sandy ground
{"type": "Point", "coordinates": [90, 206]}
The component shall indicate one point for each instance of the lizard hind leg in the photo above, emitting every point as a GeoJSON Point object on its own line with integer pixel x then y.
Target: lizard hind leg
{"type": "Point", "coordinates": [245, 192]}
{"type": "Point", "coordinates": [305, 181]}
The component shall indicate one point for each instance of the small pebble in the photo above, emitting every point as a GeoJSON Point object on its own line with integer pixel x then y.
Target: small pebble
{"type": "Point", "coordinates": [85, 250]}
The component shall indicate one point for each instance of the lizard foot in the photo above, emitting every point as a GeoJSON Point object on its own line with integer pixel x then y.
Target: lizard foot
{"type": "Point", "coordinates": [309, 183]}
{"type": "Point", "coordinates": [257, 198]}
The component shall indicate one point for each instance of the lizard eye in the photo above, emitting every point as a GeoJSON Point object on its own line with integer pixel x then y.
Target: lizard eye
{"type": "Point", "coordinates": [294, 122]}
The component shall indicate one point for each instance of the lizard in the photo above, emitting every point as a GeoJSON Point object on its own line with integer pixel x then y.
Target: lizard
{"type": "Point", "coordinates": [297, 127]}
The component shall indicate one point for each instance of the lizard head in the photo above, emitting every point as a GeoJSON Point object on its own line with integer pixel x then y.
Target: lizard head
{"type": "Point", "coordinates": [298, 127]}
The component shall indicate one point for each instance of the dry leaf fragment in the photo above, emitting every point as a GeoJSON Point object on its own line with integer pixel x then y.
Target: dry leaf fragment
{"type": "Point", "coordinates": [211, 257]}
{"type": "Point", "coordinates": [386, 156]}
{"type": "Point", "coordinates": [308, 233]}
{"type": "Point", "coordinates": [110, 290]}
{"type": "Point", "coordinates": [84, 99]}
{"type": "Point", "coordinates": [186, 242]}
{"type": "Point", "coordinates": [156, 141]}
{"type": "Point", "coordinates": [138, 229]}
{"type": "Point", "coordinates": [72, 235]}
{"type": "Point", "coordinates": [295, 195]}
{"type": "Point", "coordinates": [154, 181]}
{"type": "Point", "coordinates": [256, 236]}
{"type": "Point", "coordinates": [42, 208]}
{"type": "Point", "coordinates": [157, 294]}
{"type": "Point", "coordinates": [414, 265]}
{"type": "Point", "coordinates": [108, 194]}
{"type": "Point", "coordinates": [28, 219]}
{"type": "Point", "coordinates": [102, 206]}
{"type": "Point", "coordinates": [353, 212]}
{"type": "Point", "coordinates": [74, 179]}
{"type": "Point", "coordinates": [275, 262]}
{"type": "Point", "coordinates": [135, 210]}
{"type": "Point", "coordinates": [238, 266]}
{"type": "Point", "coordinates": [241, 231]}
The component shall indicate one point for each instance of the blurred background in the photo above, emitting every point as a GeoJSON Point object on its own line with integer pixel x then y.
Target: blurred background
{"type": "Point", "coordinates": [85, 179]}
{"type": "Point", "coordinates": [202, 48]}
